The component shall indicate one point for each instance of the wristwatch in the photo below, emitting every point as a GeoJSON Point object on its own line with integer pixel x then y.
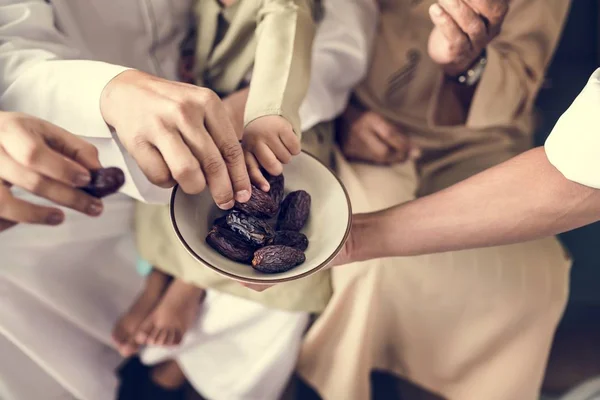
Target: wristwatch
{"type": "Point", "coordinates": [472, 75]}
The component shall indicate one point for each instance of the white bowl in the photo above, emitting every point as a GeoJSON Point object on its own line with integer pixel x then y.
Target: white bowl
{"type": "Point", "coordinates": [327, 228]}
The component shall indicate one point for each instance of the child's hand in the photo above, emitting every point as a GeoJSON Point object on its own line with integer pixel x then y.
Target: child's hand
{"type": "Point", "coordinates": [269, 142]}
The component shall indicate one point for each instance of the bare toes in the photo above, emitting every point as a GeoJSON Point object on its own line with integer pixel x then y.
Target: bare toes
{"type": "Point", "coordinates": [169, 338]}
{"type": "Point", "coordinates": [144, 332]}
{"type": "Point", "coordinates": [153, 338]}
{"type": "Point", "coordinates": [129, 349]}
{"type": "Point", "coordinates": [161, 338]}
{"type": "Point", "coordinates": [177, 337]}
{"type": "Point", "coordinates": [119, 335]}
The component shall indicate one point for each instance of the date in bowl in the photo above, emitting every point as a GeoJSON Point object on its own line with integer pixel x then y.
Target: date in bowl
{"type": "Point", "coordinates": [327, 227]}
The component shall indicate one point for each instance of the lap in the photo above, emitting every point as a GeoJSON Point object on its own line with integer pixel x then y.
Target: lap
{"type": "Point", "coordinates": [447, 321]}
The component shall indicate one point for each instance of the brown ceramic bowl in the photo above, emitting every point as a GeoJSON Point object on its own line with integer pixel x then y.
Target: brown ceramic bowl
{"type": "Point", "coordinates": [327, 228]}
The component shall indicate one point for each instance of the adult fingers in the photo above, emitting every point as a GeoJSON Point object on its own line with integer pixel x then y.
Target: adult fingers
{"type": "Point", "coordinates": [214, 168]}
{"type": "Point", "coordinates": [368, 147]}
{"type": "Point", "coordinates": [222, 132]}
{"type": "Point", "coordinates": [458, 44]}
{"type": "Point", "coordinates": [151, 162]}
{"type": "Point", "coordinates": [47, 188]}
{"type": "Point", "coordinates": [494, 11]}
{"type": "Point", "coordinates": [182, 164]}
{"type": "Point", "coordinates": [69, 145]}
{"type": "Point", "coordinates": [30, 150]}
{"type": "Point", "coordinates": [468, 21]}
{"type": "Point", "coordinates": [397, 141]}
{"type": "Point", "coordinates": [20, 211]}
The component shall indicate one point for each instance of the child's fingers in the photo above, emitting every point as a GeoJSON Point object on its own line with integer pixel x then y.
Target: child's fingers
{"type": "Point", "coordinates": [280, 150]}
{"type": "Point", "coordinates": [291, 142]}
{"type": "Point", "coordinates": [256, 177]}
{"type": "Point", "coordinates": [267, 159]}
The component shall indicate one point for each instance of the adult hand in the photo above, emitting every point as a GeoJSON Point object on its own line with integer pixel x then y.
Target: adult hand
{"type": "Point", "coordinates": [235, 105]}
{"type": "Point", "coordinates": [463, 28]}
{"type": "Point", "coordinates": [47, 161]}
{"type": "Point", "coordinates": [367, 136]}
{"type": "Point", "coordinates": [177, 132]}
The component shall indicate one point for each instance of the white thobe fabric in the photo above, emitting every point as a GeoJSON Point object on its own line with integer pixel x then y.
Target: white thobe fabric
{"type": "Point", "coordinates": [573, 146]}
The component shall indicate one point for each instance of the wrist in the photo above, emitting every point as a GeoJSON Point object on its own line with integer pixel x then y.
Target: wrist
{"type": "Point", "coordinates": [370, 237]}
{"type": "Point", "coordinates": [109, 95]}
{"type": "Point", "coordinates": [469, 72]}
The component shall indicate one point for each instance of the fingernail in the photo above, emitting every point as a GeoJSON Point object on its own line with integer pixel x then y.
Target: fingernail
{"type": "Point", "coordinates": [242, 196]}
{"type": "Point", "coordinates": [435, 10]}
{"type": "Point", "coordinates": [82, 180]}
{"type": "Point", "coordinates": [95, 208]}
{"type": "Point", "coordinates": [227, 206]}
{"type": "Point", "coordinates": [55, 218]}
{"type": "Point", "coordinates": [266, 187]}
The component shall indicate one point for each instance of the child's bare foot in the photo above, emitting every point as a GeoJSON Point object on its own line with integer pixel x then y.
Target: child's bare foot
{"type": "Point", "coordinates": [172, 317]}
{"type": "Point", "coordinates": [126, 327]}
{"type": "Point", "coordinates": [168, 375]}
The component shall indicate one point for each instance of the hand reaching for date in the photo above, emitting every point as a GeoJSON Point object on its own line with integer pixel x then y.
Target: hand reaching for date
{"type": "Point", "coordinates": [463, 29]}
{"type": "Point", "coordinates": [177, 132]}
{"type": "Point", "coordinates": [47, 161]}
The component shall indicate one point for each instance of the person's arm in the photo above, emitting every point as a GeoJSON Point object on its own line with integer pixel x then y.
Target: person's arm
{"type": "Point", "coordinates": [517, 59]}
{"type": "Point", "coordinates": [163, 132]}
{"type": "Point", "coordinates": [543, 192]}
{"type": "Point", "coordinates": [340, 58]}
{"type": "Point", "coordinates": [522, 199]}
{"type": "Point", "coordinates": [341, 54]}
{"type": "Point", "coordinates": [42, 75]}
{"type": "Point", "coordinates": [281, 72]}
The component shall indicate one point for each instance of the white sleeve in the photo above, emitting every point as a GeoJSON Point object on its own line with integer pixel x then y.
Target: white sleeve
{"type": "Point", "coordinates": [573, 147]}
{"type": "Point", "coordinates": [340, 58]}
{"type": "Point", "coordinates": [42, 74]}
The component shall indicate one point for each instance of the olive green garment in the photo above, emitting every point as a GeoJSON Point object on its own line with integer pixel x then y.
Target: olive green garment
{"type": "Point", "coordinates": [271, 38]}
{"type": "Point", "coordinates": [158, 244]}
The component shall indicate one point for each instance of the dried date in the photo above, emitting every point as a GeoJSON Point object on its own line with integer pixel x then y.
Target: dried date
{"type": "Point", "coordinates": [295, 209]}
{"type": "Point", "coordinates": [228, 244]}
{"type": "Point", "coordinates": [260, 205]}
{"type": "Point", "coordinates": [251, 229]}
{"type": "Point", "coordinates": [293, 239]}
{"type": "Point", "coordinates": [221, 222]}
{"type": "Point", "coordinates": [276, 183]}
{"type": "Point", "coordinates": [105, 181]}
{"type": "Point", "coordinates": [275, 259]}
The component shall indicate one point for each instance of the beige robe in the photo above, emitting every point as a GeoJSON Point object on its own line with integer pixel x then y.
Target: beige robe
{"type": "Point", "coordinates": [279, 80]}
{"type": "Point", "coordinates": [469, 325]}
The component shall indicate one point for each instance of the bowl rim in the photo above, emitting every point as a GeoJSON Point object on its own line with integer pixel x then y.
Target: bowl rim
{"type": "Point", "coordinates": [262, 281]}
